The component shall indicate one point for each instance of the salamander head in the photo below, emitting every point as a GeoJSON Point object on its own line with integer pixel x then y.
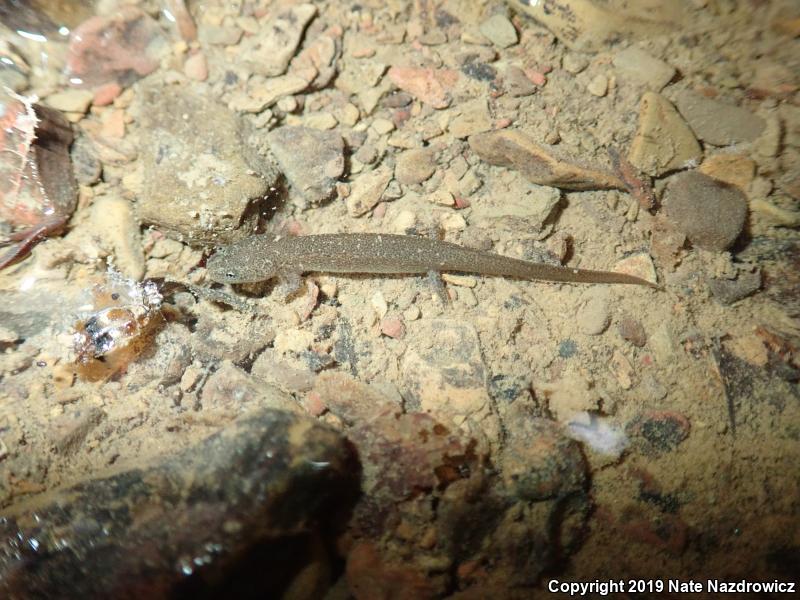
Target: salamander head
{"type": "Point", "coordinates": [245, 261]}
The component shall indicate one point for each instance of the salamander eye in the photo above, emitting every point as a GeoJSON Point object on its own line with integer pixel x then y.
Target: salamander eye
{"type": "Point", "coordinates": [230, 275]}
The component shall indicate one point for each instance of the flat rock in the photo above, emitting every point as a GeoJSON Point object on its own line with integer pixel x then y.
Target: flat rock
{"type": "Point", "coordinates": [594, 317]}
{"type": "Point", "coordinates": [112, 221]}
{"type": "Point", "coordinates": [719, 123]}
{"type": "Point", "coordinates": [539, 163]}
{"type": "Point", "coordinates": [663, 142]}
{"type": "Point", "coordinates": [735, 169]}
{"type": "Point", "coordinates": [500, 31]}
{"type": "Point", "coordinates": [367, 191]}
{"type": "Point", "coordinates": [415, 166]}
{"type": "Point", "coordinates": [709, 212]}
{"type": "Point", "coordinates": [429, 85]}
{"type": "Point", "coordinates": [70, 100]}
{"type": "Point", "coordinates": [474, 118]}
{"type": "Point", "coordinates": [637, 65]}
{"type": "Point", "coordinates": [200, 178]}
{"type": "Point", "coordinates": [729, 291]}
{"type": "Point", "coordinates": [269, 52]}
{"type": "Point", "coordinates": [311, 159]}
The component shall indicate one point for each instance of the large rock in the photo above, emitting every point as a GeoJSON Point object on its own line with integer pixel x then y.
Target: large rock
{"type": "Point", "coordinates": [200, 178]}
{"type": "Point", "coordinates": [184, 524]}
{"type": "Point", "coordinates": [717, 122]}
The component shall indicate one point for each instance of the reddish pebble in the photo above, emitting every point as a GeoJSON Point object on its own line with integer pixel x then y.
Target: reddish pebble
{"type": "Point", "coordinates": [630, 329]}
{"type": "Point", "coordinates": [536, 77]}
{"type": "Point", "coordinates": [502, 123]}
{"type": "Point", "coordinates": [105, 94]}
{"type": "Point", "coordinates": [429, 85]}
{"type": "Point", "coordinates": [196, 67]}
{"type": "Point", "coordinates": [380, 210]}
{"type": "Point", "coordinates": [394, 327]}
{"type": "Point", "coordinates": [315, 405]}
{"type": "Point", "coordinates": [462, 202]}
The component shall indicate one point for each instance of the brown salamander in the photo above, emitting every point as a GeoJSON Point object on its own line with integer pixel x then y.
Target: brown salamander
{"type": "Point", "coordinates": [262, 257]}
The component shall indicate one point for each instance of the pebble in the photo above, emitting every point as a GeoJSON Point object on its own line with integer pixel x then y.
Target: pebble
{"type": "Point", "coordinates": [75, 101]}
{"type": "Point", "coordinates": [517, 83]}
{"type": "Point", "coordinates": [432, 86]}
{"type": "Point", "coordinates": [710, 213]}
{"type": "Point", "coordinates": [500, 31]}
{"type": "Point", "coordinates": [106, 93]}
{"type": "Point", "coordinates": [415, 166]}
{"type": "Point", "coordinates": [594, 316]}
{"type": "Point", "coordinates": [639, 265]}
{"type": "Point", "coordinates": [658, 432]}
{"type": "Point", "coordinates": [198, 181]}
{"type": "Point", "coordinates": [393, 327]}
{"type": "Point", "coordinates": [574, 63]}
{"type": "Point", "coordinates": [639, 66]}
{"type": "Point", "coordinates": [196, 67]}
{"type": "Point", "coordinates": [323, 121]}
{"type": "Point", "coordinates": [631, 329]}
{"type": "Point", "coordinates": [768, 144]}
{"type": "Point", "coordinates": [719, 123]}
{"type": "Point", "coordinates": [269, 52]}
{"type": "Point", "coordinates": [474, 117]}
{"type": "Point", "coordinates": [598, 86]}
{"type": "Point", "coordinates": [539, 164]}
{"type": "Point", "coordinates": [729, 291]}
{"type": "Point", "coordinates": [348, 115]}
{"type": "Point", "coordinates": [367, 191]}
{"type": "Point", "coordinates": [663, 141]}
{"type": "Point", "coordinates": [312, 160]}
{"type": "Point", "coordinates": [382, 126]}
{"type": "Point", "coordinates": [735, 169]}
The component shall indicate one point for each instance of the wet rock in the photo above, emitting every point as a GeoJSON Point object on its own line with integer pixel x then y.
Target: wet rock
{"type": "Point", "coordinates": [657, 432]}
{"type": "Point", "coordinates": [200, 179]}
{"type": "Point", "coordinates": [499, 30]}
{"type": "Point", "coordinates": [639, 66]}
{"type": "Point", "coordinates": [432, 86]}
{"type": "Point", "coordinates": [266, 481]}
{"type": "Point", "coordinates": [367, 191]}
{"type": "Point", "coordinates": [444, 373]}
{"type": "Point", "coordinates": [728, 291]}
{"type": "Point", "coordinates": [709, 212]}
{"type": "Point", "coordinates": [539, 163]}
{"type": "Point", "coordinates": [120, 47]}
{"type": "Point", "coordinates": [312, 160]}
{"type": "Point", "coordinates": [631, 329]}
{"type": "Point", "coordinates": [415, 166]}
{"type": "Point", "coordinates": [663, 141]}
{"type": "Point", "coordinates": [594, 316]}
{"type": "Point", "coordinates": [76, 101]}
{"type": "Point", "coordinates": [270, 50]}
{"type": "Point", "coordinates": [538, 462]}
{"type": "Point", "coordinates": [718, 123]}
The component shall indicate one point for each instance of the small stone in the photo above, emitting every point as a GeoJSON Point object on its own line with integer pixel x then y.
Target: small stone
{"type": "Point", "coordinates": [106, 93]}
{"type": "Point", "coordinates": [639, 66]}
{"type": "Point", "coordinates": [269, 52]}
{"type": "Point", "coordinates": [76, 101]}
{"type": "Point", "coordinates": [312, 160]}
{"type": "Point", "coordinates": [322, 121]}
{"type": "Point", "coordinates": [709, 212]}
{"type": "Point", "coordinates": [594, 316]}
{"type": "Point", "coordinates": [729, 291]}
{"type": "Point", "coordinates": [415, 166]}
{"type": "Point", "coordinates": [196, 67]}
{"type": "Point", "coordinates": [768, 144]}
{"type": "Point", "coordinates": [719, 123]}
{"type": "Point", "coordinates": [622, 369]}
{"type": "Point", "coordinates": [639, 265]}
{"type": "Point", "coordinates": [574, 63]}
{"type": "Point", "coordinates": [517, 83]}
{"type": "Point", "coordinates": [367, 191]}
{"type": "Point", "coordinates": [598, 86]}
{"type": "Point", "coordinates": [500, 31]}
{"type": "Point", "coordinates": [382, 126]}
{"type": "Point", "coordinates": [473, 118]}
{"type": "Point", "coordinates": [393, 327]}
{"type": "Point", "coordinates": [348, 115]}
{"type": "Point", "coordinates": [631, 329]}
{"type": "Point", "coordinates": [429, 85]}
{"type": "Point", "coordinates": [113, 222]}
{"type": "Point", "coordinates": [663, 141]}
{"type": "Point", "coordinates": [735, 169]}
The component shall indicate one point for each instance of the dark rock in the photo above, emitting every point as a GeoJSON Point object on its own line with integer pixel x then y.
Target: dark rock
{"type": "Point", "coordinates": [657, 432]}
{"type": "Point", "coordinates": [189, 524]}
{"type": "Point", "coordinates": [728, 291]}
{"type": "Point", "coordinates": [709, 212]}
{"type": "Point", "coordinates": [632, 330]}
{"type": "Point", "coordinates": [311, 159]}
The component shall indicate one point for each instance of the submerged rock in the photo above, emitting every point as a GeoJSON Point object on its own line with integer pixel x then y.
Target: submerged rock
{"type": "Point", "coordinates": [181, 526]}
